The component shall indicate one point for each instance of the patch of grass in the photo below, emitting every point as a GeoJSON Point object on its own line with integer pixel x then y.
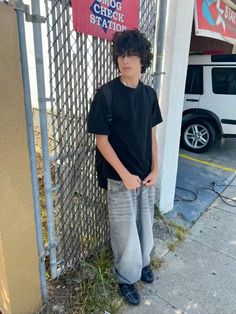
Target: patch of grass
{"type": "Point", "coordinates": [172, 245]}
{"type": "Point", "coordinates": [173, 228]}
{"type": "Point", "coordinates": [97, 291]}
{"type": "Point", "coordinates": [180, 234]}
{"type": "Point", "coordinates": [180, 231]}
{"type": "Point", "coordinates": [176, 226]}
{"type": "Point", "coordinates": [156, 262]}
{"type": "Point", "coordinates": [91, 289]}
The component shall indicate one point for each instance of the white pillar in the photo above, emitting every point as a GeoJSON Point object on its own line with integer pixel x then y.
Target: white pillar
{"type": "Point", "coordinates": [176, 50]}
{"type": "Point", "coordinates": [234, 49]}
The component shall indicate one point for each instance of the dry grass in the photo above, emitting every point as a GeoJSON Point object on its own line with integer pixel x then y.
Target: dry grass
{"type": "Point", "coordinates": [91, 290]}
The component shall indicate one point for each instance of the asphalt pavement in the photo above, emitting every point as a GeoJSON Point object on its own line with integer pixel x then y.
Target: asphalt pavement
{"type": "Point", "coordinates": [196, 173]}
{"type": "Point", "coordinates": [199, 276]}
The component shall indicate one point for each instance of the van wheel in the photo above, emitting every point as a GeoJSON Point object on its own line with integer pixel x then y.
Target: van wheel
{"type": "Point", "coordinates": [198, 136]}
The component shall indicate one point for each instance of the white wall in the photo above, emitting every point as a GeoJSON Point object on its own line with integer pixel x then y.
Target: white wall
{"type": "Point", "coordinates": [176, 50]}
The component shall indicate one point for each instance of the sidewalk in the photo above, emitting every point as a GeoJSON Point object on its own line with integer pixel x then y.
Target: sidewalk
{"type": "Point", "coordinates": [199, 277]}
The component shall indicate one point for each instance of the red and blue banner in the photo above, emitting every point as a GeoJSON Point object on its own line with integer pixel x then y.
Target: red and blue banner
{"type": "Point", "coordinates": [102, 18]}
{"type": "Point", "coordinates": [216, 19]}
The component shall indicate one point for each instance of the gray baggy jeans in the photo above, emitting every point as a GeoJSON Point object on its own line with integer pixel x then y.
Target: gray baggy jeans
{"type": "Point", "coordinates": [131, 218]}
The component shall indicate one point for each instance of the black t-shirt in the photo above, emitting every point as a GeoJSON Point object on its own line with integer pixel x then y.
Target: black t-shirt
{"type": "Point", "coordinates": [134, 112]}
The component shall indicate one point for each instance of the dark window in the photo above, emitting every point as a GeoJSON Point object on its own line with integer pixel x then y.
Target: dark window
{"type": "Point", "coordinates": [194, 80]}
{"type": "Point", "coordinates": [224, 81]}
{"type": "Point", "coordinates": [223, 58]}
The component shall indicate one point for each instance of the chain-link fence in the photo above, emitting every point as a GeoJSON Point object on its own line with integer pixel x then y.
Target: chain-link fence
{"type": "Point", "coordinates": [79, 64]}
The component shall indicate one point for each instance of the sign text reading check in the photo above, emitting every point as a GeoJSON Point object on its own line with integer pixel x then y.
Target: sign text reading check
{"type": "Point", "coordinates": [108, 17]}
{"type": "Point", "coordinates": [98, 9]}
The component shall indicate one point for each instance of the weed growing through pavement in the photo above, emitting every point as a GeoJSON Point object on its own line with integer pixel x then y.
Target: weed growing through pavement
{"type": "Point", "coordinates": [180, 234]}
{"type": "Point", "coordinates": [176, 231]}
{"type": "Point", "coordinates": [156, 262]}
{"type": "Point", "coordinates": [97, 291]}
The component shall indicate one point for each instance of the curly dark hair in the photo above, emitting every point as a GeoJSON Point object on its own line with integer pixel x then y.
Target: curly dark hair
{"type": "Point", "coordinates": [132, 42]}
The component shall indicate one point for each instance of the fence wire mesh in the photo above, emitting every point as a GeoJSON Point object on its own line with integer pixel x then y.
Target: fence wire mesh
{"type": "Point", "coordinates": [78, 65]}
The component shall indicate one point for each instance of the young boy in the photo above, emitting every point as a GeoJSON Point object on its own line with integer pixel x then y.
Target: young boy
{"type": "Point", "coordinates": [129, 147]}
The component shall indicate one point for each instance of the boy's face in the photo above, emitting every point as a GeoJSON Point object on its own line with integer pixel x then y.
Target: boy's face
{"type": "Point", "coordinates": [129, 66]}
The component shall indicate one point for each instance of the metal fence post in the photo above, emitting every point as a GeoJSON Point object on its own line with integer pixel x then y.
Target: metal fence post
{"type": "Point", "coordinates": [159, 43]}
{"type": "Point", "coordinates": [31, 145]}
{"type": "Point", "coordinates": [44, 134]}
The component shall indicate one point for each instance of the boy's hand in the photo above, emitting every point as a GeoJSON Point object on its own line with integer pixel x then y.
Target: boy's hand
{"type": "Point", "coordinates": [131, 181]}
{"type": "Point", "coordinates": [150, 180]}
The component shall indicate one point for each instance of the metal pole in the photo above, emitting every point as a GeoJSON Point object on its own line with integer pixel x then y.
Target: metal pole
{"type": "Point", "coordinates": [159, 42]}
{"type": "Point", "coordinates": [31, 145]}
{"type": "Point", "coordinates": [44, 135]}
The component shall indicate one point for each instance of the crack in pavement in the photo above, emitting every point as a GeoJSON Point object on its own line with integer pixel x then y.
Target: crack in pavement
{"type": "Point", "coordinates": [167, 302]}
{"type": "Point", "coordinates": [211, 248]}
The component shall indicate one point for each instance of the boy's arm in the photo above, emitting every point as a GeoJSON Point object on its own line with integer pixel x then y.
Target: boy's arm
{"type": "Point", "coordinates": [150, 180]}
{"type": "Point", "coordinates": [130, 181]}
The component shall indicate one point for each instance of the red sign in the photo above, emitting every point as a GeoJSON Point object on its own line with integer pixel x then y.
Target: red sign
{"type": "Point", "coordinates": [216, 18]}
{"type": "Point", "coordinates": [102, 18]}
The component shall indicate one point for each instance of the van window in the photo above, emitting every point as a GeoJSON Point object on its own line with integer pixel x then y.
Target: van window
{"type": "Point", "coordinates": [224, 81]}
{"type": "Point", "coordinates": [223, 58]}
{"type": "Point", "coordinates": [194, 80]}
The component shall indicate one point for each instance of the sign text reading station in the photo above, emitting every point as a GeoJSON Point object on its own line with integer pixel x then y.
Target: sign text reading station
{"type": "Point", "coordinates": [230, 15]}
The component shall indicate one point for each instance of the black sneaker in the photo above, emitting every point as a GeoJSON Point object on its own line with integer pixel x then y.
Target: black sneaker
{"type": "Point", "coordinates": [129, 293]}
{"type": "Point", "coordinates": [147, 274]}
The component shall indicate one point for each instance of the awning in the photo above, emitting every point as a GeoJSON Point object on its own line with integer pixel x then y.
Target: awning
{"type": "Point", "coordinates": [216, 19]}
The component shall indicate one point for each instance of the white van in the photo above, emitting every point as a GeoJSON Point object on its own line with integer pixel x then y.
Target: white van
{"type": "Point", "coordinates": [210, 101]}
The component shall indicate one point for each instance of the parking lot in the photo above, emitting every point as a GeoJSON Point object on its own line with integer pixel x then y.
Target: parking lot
{"type": "Point", "coordinates": [200, 174]}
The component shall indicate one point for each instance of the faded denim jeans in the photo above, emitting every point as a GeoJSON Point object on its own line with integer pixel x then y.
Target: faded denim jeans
{"type": "Point", "coordinates": [131, 218]}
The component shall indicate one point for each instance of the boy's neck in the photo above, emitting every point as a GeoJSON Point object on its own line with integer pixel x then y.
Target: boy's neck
{"type": "Point", "coordinates": [130, 82]}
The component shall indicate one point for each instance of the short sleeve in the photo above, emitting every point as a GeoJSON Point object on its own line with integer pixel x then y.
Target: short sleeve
{"type": "Point", "coordinates": [156, 113]}
{"type": "Point", "coordinates": [97, 122]}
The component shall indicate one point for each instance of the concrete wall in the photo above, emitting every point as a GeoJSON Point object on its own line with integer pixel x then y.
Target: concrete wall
{"type": "Point", "coordinates": [176, 51]}
{"type": "Point", "coordinates": [19, 269]}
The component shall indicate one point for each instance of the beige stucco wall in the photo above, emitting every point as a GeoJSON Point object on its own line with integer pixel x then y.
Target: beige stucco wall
{"type": "Point", "coordinates": [19, 275]}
